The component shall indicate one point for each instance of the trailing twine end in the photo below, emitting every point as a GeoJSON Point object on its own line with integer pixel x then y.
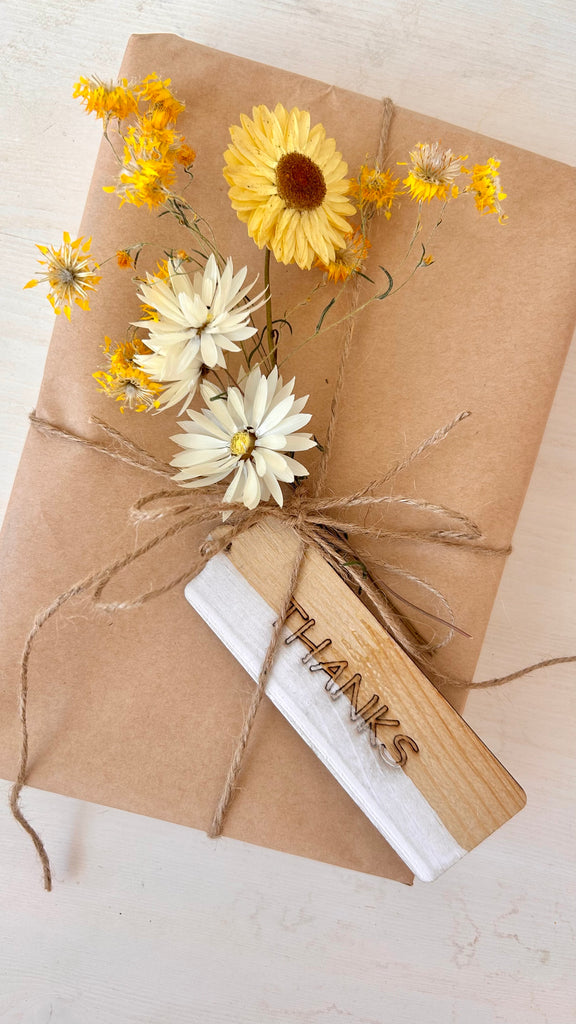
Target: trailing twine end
{"type": "Point", "coordinates": [25, 824]}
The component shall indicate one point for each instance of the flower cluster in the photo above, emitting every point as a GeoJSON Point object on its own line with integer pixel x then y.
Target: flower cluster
{"type": "Point", "coordinates": [152, 146]}
{"type": "Point", "coordinates": [197, 331]}
{"type": "Point", "coordinates": [486, 188]}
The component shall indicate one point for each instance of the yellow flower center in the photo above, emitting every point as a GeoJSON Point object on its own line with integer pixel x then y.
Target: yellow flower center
{"type": "Point", "coordinates": [300, 182]}
{"type": "Point", "coordinates": [207, 322]}
{"type": "Point", "coordinates": [242, 444]}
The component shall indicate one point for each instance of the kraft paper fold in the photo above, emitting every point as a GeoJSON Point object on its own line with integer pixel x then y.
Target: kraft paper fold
{"type": "Point", "coordinates": [141, 710]}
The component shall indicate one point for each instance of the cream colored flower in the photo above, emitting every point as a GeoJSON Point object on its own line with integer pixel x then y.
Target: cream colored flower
{"type": "Point", "coordinates": [205, 316]}
{"type": "Point", "coordinates": [288, 184]}
{"type": "Point", "coordinates": [248, 433]}
{"type": "Point", "coordinates": [178, 371]}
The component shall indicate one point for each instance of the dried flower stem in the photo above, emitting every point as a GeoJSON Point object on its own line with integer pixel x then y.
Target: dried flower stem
{"type": "Point", "coordinates": [272, 347]}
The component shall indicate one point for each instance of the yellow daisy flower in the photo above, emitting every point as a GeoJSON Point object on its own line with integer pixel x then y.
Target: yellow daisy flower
{"type": "Point", "coordinates": [70, 274]}
{"type": "Point", "coordinates": [375, 188]}
{"type": "Point", "coordinates": [486, 188]}
{"type": "Point", "coordinates": [288, 185]}
{"type": "Point", "coordinates": [106, 99]}
{"type": "Point", "coordinates": [349, 260]}
{"type": "Point", "coordinates": [433, 171]}
{"type": "Point", "coordinates": [125, 381]}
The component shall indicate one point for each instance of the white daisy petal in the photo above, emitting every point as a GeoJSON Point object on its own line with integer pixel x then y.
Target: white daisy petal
{"type": "Point", "coordinates": [299, 443]}
{"type": "Point", "coordinates": [292, 423]}
{"type": "Point", "coordinates": [236, 407]}
{"type": "Point", "coordinates": [260, 463]}
{"type": "Point", "coordinates": [201, 481]}
{"type": "Point", "coordinates": [295, 467]}
{"type": "Point", "coordinates": [251, 494]}
{"type": "Point", "coordinates": [259, 405]}
{"type": "Point", "coordinates": [276, 415]}
{"type": "Point", "coordinates": [208, 350]}
{"type": "Point", "coordinates": [274, 487]}
{"type": "Point", "coordinates": [196, 441]}
{"type": "Point", "coordinates": [277, 442]}
{"type": "Point", "coordinates": [250, 387]}
{"type": "Point", "coordinates": [277, 464]}
{"type": "Point", "coordinates": [236, 487]}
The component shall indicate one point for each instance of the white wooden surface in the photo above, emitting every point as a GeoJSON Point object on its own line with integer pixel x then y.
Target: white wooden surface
{"type": "Point", "coordinates": [153, 923]}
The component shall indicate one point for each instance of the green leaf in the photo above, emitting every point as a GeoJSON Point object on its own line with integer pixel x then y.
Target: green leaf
{"type": "Point", "coordinates": [281, 320]}
{"type": "Point", "coordinates": [390, 284]}
{"type": "Point", "coordinates": [356, 561]}
{"type": "Point", "coordinates": [324, 312]}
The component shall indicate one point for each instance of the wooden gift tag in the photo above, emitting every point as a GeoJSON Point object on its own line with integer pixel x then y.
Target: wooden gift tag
{"type": "Point", "coordinates": [406, 757]}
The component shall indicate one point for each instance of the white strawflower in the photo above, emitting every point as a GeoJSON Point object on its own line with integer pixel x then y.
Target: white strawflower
{"type": "Point", "coordinates": [179, 369]}
{"type": "Point", "coordinates": [247, 433]}
{"type": "Point", "coordinates": [206, 315]}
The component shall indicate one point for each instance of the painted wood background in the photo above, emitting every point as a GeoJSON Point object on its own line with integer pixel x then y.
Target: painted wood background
{"type": "Point", "coordinates": [150, 922]}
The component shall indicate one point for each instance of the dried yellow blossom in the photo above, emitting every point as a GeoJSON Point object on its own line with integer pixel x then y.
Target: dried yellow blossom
{"type": "Point", "coordinates": [124, 259]}
{"type": "Point", "coordinates": [487, 189]}
{"type": "Point", "coordinates": [375, 188]}
{"type": "Point", "coordinates": [107, 99]}
{"type": "Point", "coordinates": [185, 155]}
{"type": "Point", "coordinates": [164, 107]}
{"type": "Point", "coordinates": [70, 274]}
{"type": "Point", "coordinates": [432, 172]}
{"type": "Point", "coordinates": [348, 260]}
{"type": "Point", "coordinates": [125, 381]}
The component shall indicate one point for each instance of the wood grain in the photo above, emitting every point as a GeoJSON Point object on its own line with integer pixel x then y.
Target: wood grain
{"type": "Point", "coordinates": [465, 784]}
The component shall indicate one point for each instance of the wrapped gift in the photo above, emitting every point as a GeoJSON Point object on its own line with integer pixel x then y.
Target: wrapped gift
{"type": "Point", "coordinates": [141, 710]}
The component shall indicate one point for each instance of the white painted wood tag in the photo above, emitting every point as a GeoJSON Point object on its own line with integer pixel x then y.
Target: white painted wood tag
{"type": "Point", "coordinates": [404, 755]}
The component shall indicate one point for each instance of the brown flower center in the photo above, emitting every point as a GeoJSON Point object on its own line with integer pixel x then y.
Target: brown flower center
{"type": "Point", "coordinates": [300, 182]}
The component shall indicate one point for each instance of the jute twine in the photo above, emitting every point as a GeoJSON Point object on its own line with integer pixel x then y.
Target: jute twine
{"type": "Point", "coordinates": [322, 522]}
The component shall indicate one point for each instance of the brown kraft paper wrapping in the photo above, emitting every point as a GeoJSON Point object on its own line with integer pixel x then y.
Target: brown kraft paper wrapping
{"type": "Point", "coordinates": [141, 710]}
